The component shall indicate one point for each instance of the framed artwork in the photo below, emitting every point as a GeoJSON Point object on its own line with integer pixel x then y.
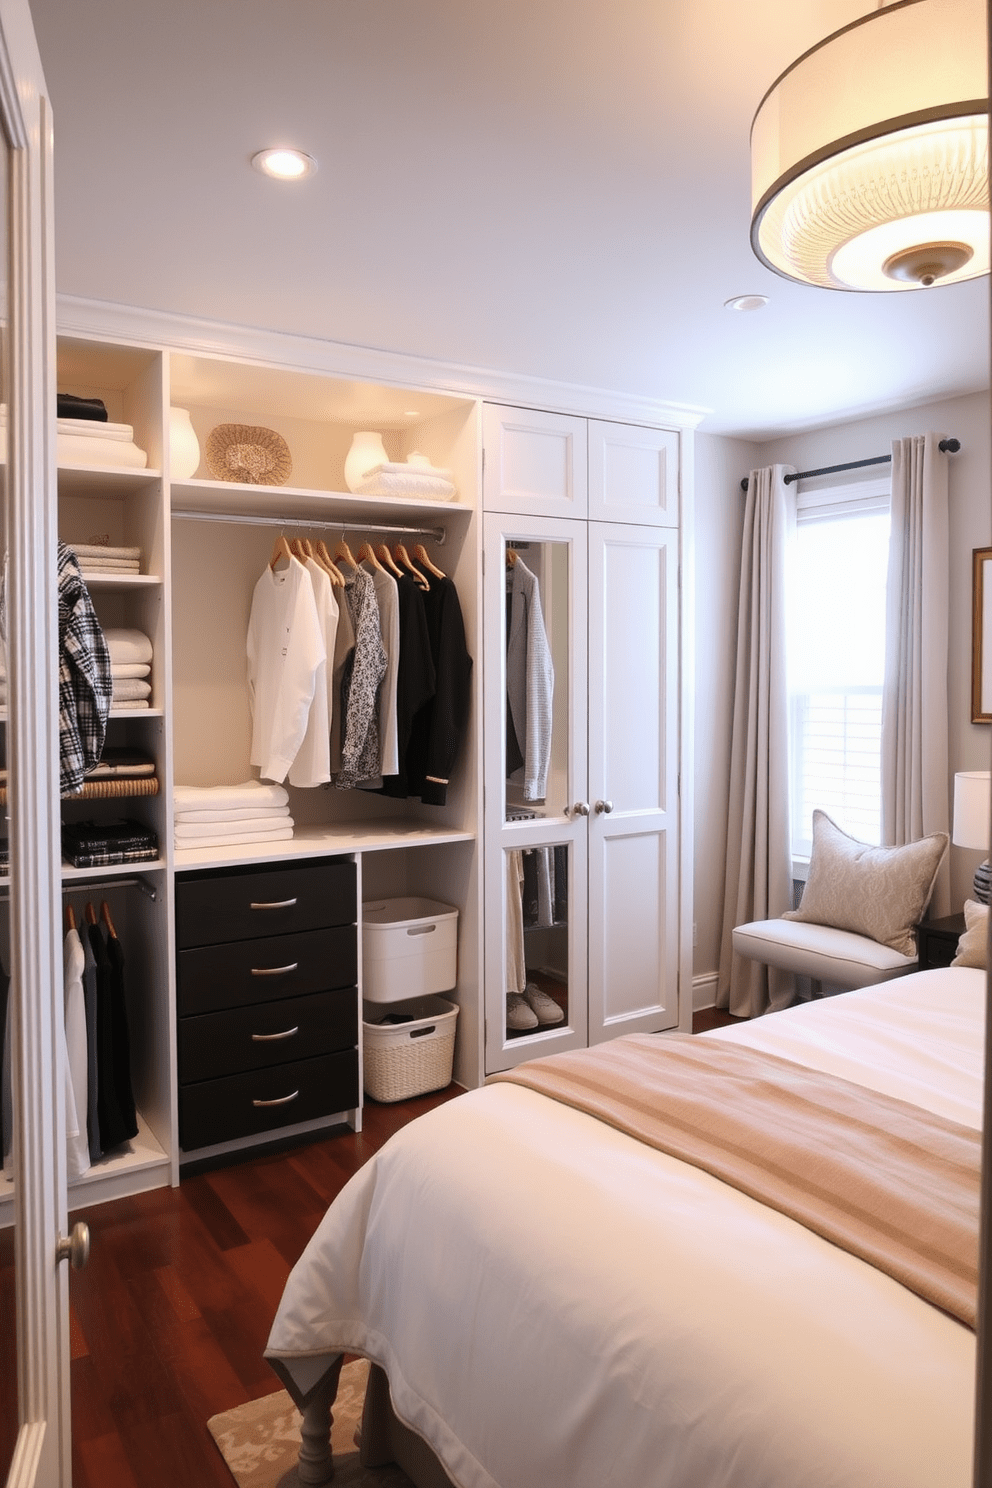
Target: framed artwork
{"type": "Point", "coordinates": [981, 636]}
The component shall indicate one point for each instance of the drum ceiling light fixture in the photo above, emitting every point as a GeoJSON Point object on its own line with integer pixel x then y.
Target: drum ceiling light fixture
{"type": "Point", "coordinates": [869, 155]}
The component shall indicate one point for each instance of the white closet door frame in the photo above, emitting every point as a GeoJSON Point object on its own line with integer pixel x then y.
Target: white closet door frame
{"type": "Point", "coordinates": [560, 825]}
{"type": "Point", "coordinates": [42, 1452]}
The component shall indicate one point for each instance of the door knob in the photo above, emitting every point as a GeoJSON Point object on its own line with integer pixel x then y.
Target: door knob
{"type": "Point", "coordinates": [581, 808]}
{"type": "Point", "coordinates": [75, 1249]}
{"type": "Point", "coordinates": [603, 808]}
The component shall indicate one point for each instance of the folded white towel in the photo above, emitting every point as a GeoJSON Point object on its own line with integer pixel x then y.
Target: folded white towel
{"type": "Point", "coordinates": [406, 481]}
{"type": "Point", "coordinates": [224, 839]}
{"type": "Point", "coordinates": [75, 449]}
{"type": "Point", "coordinates": [118, 703]}
{"type": "Point", "coordinates": [403, 467]}
{"type": "Point", "coordinates": [109, 565]}
{"type": "Point", "coordinates": [250, 793]}
{"type": "Point", "coordinates": [127, 645]}
{"type": "Point", "coordinates": [103, 550]}
{"type": "Point", "coordinates": [95, 429]}
{"type": "Point", "coordinates": [235, 814]}
{"type": "Point", "coordinates": [129, 669]}
{"type": "Point", "coordinates": [126, 689]}
{"type": "Point", "coordinates": [244, 828]}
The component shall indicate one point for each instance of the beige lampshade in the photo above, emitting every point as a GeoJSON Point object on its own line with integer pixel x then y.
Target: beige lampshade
{"type": "Point", "coordinates": [972, 807]}
{"type": "Point", "coordinates": [869, 155]}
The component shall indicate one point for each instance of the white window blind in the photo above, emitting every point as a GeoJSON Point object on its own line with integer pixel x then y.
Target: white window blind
{"type": "Point", "coordinates": [836, 652]}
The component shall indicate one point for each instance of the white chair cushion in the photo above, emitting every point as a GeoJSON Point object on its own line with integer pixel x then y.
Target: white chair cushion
{"type": "Point", "coordinates": [836, 956]}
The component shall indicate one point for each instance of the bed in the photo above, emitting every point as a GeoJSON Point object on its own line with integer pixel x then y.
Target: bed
{"type": "Point", "coordinates": [556, 1304]}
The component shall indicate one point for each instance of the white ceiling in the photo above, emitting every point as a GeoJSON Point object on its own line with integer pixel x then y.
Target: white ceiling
{"type": "Point", "coordinates": [559, 190]}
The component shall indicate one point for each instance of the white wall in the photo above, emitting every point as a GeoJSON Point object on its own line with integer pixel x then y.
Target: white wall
{"type": "Point", "coordinates": [720, 463]}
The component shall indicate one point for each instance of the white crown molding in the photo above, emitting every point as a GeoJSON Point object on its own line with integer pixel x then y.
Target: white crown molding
{"type": "Point", "coordinates": [106, 321]}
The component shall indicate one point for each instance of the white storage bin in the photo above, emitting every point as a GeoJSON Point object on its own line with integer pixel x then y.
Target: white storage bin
{"type": "Point", "coordinates": [409, 948]}
{"type": "Point", "coordinates": [406, 1059]}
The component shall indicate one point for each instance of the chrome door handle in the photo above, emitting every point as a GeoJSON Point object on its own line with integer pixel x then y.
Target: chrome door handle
{"type": "Point", "coordinates": [273, 904]}
{"type": "Point", "coordinates": [268, 1038]}
{"type": "Point", "coordinates": [603, 808]}
{"type": "Point", "coordinates": [274, 970]}
{"type": "Point", "coordinates": [581, 808]}
{"type": "Point", "coordinates": [75, 1248]}
{"type": "Point", "coordinates": [282, 1100]}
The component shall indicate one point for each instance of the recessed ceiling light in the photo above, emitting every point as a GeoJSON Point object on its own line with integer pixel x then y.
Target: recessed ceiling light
{"type": "Point", "coordinates": [284, 165]}
{"type": "Point", "coordinates": [746, 302]}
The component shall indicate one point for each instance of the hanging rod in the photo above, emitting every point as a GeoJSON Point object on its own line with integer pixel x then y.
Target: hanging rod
{"type": "Point", "coordinates": [437, 533]}
{"type": "Point", "coordinates": [91, 885]}
{"type": "Point", "coordinates": [946, 447]}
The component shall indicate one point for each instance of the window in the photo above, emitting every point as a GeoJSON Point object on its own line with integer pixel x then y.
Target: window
{"type": "Point", "coordinates": [836, 654]}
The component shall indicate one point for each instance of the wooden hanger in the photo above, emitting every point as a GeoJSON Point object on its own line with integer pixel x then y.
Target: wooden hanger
{"type": "Point", "coordinates": [70, 917]}
{"type": "Point", "coordinates": [105, 913]}
{"type": "Point", "coordinates": [299, 548]}
{"type": "Point", "coordinates": [366, 554]}
{"type": "Point", "coordinates": [420, 553]}
{"type": "Point", "coordinates": [90, 915]}
{"type": "Point", "coordinates": [511, 557]}
{"type": "Point", "coordinates": [343, 554]}
{"type": "Point", "coordinates": [388, 561]}
{"type": "Point", "coordinates": [280, 551]}
{"type": "Point", "coordinates": [323, 557]}
{"type": "Point", "coordinates": [402, 556]}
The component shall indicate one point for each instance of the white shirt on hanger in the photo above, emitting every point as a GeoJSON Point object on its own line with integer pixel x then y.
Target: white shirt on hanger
{"type": "Point", "coordinates": [285, 650]}
{"type": "Point", "coordinates": [312, 765]}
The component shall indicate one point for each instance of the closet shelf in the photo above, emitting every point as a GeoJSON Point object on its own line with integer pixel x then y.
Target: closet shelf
{"type": "Point", "coordinates": [308, 842]}
{"type": "Point", "coordinates": [104, 480]}
{"type": "Point", "coordinates": [229, 497]}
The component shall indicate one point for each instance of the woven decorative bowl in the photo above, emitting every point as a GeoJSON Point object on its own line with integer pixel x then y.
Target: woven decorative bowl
{"type": "Point", "coordinates": [249, 454]}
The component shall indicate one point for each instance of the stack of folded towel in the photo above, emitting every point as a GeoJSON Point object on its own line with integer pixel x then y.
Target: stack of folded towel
{"type": "Point", "coordinates": [130, 667]}
{"type": "Point", "coordinates": [101, 558]}
{"type": "Point", "coordinates": [228, 815]}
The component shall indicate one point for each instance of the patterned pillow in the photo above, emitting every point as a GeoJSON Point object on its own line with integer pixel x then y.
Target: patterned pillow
{"type": "Point", "coordinates": [972, 945]}
{"type": "Point", "coordinates": [880, 892]}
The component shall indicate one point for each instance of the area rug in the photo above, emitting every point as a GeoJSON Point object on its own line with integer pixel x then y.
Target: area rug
{"type": "Point", "coordinates": [260, 1441]}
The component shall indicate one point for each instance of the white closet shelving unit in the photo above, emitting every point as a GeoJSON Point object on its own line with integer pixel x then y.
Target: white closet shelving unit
{"type": "Point", "coordinates": [204, 544]}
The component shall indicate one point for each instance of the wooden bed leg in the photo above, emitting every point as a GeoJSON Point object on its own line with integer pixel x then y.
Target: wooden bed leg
{"type": "Point", "coordinates": [316, 1464]}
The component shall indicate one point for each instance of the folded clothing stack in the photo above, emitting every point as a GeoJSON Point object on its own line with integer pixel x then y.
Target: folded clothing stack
{"type": "Point", "coordinates": [227, 815]}
{"type": "Point", "coordinates": [92, 844]}
{"type": "Point", "coordinates": [401, 478]}
{"type": "Point", "coordinates": [130, 666]}
{"type": "Point", "coordinates": [101, 558]}
{"type": "Point", "coordinates": [88, 441]}
{"type": "Point", "coordinates": [122, 764]}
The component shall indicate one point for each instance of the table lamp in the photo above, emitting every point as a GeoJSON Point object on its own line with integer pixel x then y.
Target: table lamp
{"type": "Point", "coordinates": [972, 807]}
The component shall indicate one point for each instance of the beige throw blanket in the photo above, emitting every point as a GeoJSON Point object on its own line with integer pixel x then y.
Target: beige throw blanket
{"type": "Point", "coordinates": [889, 1182]}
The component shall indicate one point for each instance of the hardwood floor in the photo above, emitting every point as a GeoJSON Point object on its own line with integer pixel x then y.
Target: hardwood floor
{"type": "Point", "coordinates": [169, 1318]}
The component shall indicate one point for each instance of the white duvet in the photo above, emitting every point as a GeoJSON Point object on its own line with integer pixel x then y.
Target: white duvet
{"type": "Point", "coordinates": [559, 1306]}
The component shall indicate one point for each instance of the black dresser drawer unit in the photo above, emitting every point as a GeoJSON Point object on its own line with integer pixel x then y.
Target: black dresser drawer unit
{"type": "Point", "coordinates": [225, 976]}
{"type": "Point", "coordinates": [275, 900]}
{"type": "Point", "coordinates": [267, 997]}
{"type": "Point", "coordinates": [248, 1038]}
{"type": "Point", "coordinates": [248, 1105]}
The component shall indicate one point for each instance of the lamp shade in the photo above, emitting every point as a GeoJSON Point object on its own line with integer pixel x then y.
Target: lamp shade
{"type": "Point", "coordinates": [869, 155]}
{"type": "Point", "coordinates": [972, 807]}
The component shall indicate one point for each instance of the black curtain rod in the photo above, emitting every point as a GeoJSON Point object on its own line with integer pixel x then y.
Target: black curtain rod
{"type": "Point", "coordinates": [946, 447]}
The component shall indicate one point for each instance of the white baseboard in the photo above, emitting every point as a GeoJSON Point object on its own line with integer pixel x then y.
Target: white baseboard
{"type": "Point", "coordinates": [704, 991]}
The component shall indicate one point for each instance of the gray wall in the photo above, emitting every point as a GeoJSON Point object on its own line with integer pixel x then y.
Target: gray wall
{"type": "Point", "coordinates": [720, 463]}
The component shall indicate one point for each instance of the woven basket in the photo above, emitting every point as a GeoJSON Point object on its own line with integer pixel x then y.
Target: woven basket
{"type": "Point", "coordinates": [406, 1059]}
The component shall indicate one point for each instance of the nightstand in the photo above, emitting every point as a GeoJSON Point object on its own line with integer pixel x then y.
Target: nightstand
{"type": "Point", "coordinates": [937, 940]}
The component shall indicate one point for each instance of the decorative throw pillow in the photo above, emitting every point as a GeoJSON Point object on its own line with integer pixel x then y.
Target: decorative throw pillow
{"type": "Point", "coordinates": [880, 892]}
{"type": "Point", "coordinates": [973, 944]}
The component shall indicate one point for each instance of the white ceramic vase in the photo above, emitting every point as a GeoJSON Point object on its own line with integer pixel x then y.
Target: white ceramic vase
{"type": "Point", "coordinates": [184, 447]}
{"type": "Point", "coordinates": [367, 451]}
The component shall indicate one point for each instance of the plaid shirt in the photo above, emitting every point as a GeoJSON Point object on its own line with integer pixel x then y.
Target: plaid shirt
{"type": "Point", "coordinates": [85, 682]}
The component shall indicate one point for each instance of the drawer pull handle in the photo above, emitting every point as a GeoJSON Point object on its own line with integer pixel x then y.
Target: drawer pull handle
{"type": "Point", "coordinates": [267, 1038]}
{"type": "Point", "coordinates": [274, 904]}
{"type": "Point", "coordinates": [274, 970]}
{"type": "Point", "coordinates": [283, 1100]}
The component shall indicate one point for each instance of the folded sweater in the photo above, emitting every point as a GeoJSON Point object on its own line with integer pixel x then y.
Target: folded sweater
{"type": "Point", "coordinates": [250, 793]}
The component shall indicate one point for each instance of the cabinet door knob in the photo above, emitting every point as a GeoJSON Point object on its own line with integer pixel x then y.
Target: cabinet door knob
{"type": "Point", "coordinates": [581, 808]}
{"type": "Point", "coordinates": [603, 808]}
{"type": "Point", "coordinates": [76, 1247]}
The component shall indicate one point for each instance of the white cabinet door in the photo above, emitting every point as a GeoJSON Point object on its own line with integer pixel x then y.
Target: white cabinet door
{"type": "Point", "coordinates": [633, 780]}
{"type": "Point", "coordinates": [633, 474]}
{"type": "Point", "coordinates": [41, 1454]}
{"type": "Point", "coordinates": [534, 462]}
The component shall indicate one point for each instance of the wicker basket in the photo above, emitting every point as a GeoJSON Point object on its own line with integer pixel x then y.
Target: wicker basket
{"type": "Point", "coordinates": [406, 1059]}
